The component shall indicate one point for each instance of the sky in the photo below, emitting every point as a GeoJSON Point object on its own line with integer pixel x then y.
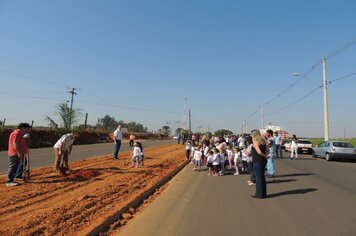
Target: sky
{"type": "Point", "coordinates": [139, 60]}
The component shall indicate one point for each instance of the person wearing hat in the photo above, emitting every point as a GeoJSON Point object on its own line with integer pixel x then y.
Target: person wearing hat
{"type": "Point", "coordinates": [16, 150]}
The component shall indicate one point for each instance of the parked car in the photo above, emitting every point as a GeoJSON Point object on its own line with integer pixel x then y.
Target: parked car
{"type": "Point", "coordinates": [335, 149]}
{"type": "Point", "coordinates": [304, 146]}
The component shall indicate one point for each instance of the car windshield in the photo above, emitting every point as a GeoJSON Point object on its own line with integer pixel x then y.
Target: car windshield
{"type": "Point", "coordinates": [342, 144]}
{"type": "Point", "coordinates": [304, 141]}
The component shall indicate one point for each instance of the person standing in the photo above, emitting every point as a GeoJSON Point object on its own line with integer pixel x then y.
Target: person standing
{"type": "Point", "coordinates": [188, 148]}
{"type": "Point", "coordinates": [294, 147]}
{"type": "Point", "coordinates": [278, 142]}
{"type": "Point", "coordinates": [136, 156]}
{"type": "Point", "coordinates": [242, 141]}
{"type": "Point", "coordinates": [132, 139]}
{"type": "Point", "coordinates": [17, 148]}
{"type": "Point", "coordinates": [62, 150]}
{"type": "Point", "coordinates": [259, 162]}
{"type": "Point", "coordinates": [117, 139]}
{"type": "Point", "coordinates": [248, 151]}
{"type": "Point", "coordinates": [271, 154]}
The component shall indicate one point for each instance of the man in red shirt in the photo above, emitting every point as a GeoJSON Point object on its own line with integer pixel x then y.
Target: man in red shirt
{"type": "Point", "coordinates": [16, 151]}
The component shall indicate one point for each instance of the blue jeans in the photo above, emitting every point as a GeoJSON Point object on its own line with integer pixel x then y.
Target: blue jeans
{"type": "Point", "coordinates": [117, 148]}
{"type": "Point", "coordinates": [270, 165]}
{"type": "Point", "coordinates": [261, 186]}
{"type": "Point", "coordinates": [19, 169]}
{"type": "Point", "coordinates": [13, 165]}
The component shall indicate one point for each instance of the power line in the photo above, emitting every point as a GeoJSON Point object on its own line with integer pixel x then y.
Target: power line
{"type": "Point", "coordinates": [310, 93]}
{"type": "Point", "coordinates": [33, 77]}
{"type": "Point", "coordinates": [341, 49]}
{"type": "Point", "coordinates": [303, 76]}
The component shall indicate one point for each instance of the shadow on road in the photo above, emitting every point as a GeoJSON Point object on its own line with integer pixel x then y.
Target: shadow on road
{"type": "Point", "coordinates": [293, 192]}
{"type": "Point", "coordinates": [296, 174]}
{"type": "Point", "coordinates": [277, 181]}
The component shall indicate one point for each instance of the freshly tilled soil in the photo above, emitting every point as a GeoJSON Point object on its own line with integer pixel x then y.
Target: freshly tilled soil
{"type": "Point", "coordinates": [53, 204]}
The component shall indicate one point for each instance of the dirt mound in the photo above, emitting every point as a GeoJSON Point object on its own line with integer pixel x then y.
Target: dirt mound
{"type": "Point", "coordinates": [51, 204]}
{"type": "Point", "coordinates": [82, 175]}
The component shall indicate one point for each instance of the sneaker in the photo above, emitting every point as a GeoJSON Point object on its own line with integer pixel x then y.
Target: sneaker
{"type": "Point", "coordinates": [251, 184]}
{"type": "Point", "coordinates": [11, 184]}
{"type": "Point", "coordinates": [249, 181]}
{"type": "Point", "coordinates": [236, 174]}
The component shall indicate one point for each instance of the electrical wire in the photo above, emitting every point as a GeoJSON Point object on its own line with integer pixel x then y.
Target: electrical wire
{"type": "Point", "coordinates": [304, 76]}
{"type": "Point", "coordinates": [310, 93]}
{"type": "Point", "coordinates": [32, 77]}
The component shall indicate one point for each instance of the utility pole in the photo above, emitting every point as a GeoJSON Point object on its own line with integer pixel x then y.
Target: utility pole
{"type": "Point", "coordinates": [185, 114]}
{"type": "Point", "coordinates": [86, 120]}
{"type": "Point", "coordinates": [190, 123]}
{"type": "Point", "coordinates": [326, 112]}
{"type": "Point", "coordinates": [72, 91]}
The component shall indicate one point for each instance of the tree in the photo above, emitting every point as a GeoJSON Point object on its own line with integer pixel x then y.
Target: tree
{"type": "Point", "coordinates": [51, 122]}
{"type": "Point", "coordinates": [165, 130]}
{"type": "Point", "coordinates": [107, 122]}
{"type": "Point", "coordinates": [67, 116]}
{"type": "Point", "coordinates": [222, 132]}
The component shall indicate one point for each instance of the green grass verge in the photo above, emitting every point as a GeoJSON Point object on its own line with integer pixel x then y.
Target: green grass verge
{"type": "Point", "coordinates": [317, 141]}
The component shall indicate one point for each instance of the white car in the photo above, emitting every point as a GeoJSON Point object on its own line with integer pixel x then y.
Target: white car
{"type": "Point", "coordinates": [304, 146]}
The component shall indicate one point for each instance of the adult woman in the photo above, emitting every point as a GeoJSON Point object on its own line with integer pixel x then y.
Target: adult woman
{"type": "Point", "coordinates": [294, 147]}
{"type": "Point", "coordinates": [259, 161]}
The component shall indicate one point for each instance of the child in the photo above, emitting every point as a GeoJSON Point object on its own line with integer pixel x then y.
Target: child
{"type": "Point", "coordinates": [196, 158]}
{"type": "Point", "coordinates": [248, 151]}
{"type": "Point", "coordinates": [229, 156]}
{"type": "Point", "coordinates": [216, 162]}
{"type": "Point", "coordinates": [222, 160]}
{"type": "Point", "coordinates": [209, 162]}
{"type": "Point", "coordinates": [237, 157]}
{"type": "Point", "coordinates": [244, 159]}
{"type": "Point", "coordinates": [136, 155]}
{"type": "Point", "coordinates": [142, 155]}
{"type": "Point", "coordinates": [205, 154]}
{"type": "Point", "coordinates": [188, 147]}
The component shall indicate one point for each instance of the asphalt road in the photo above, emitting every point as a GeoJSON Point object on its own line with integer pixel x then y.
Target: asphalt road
{"type": "Point", "coordinates": [45, 156]}
{"type": "Point", "coordinates": [307, 197]}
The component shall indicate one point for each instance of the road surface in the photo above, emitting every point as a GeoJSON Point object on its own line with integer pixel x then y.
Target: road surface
{"type": "Point", "coordinates": [307, 197]}
{"type": "Point", "coordinates": [45, 156]}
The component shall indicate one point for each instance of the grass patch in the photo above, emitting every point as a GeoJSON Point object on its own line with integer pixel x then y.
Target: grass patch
{"type": "Point", "coordinates": [317, 141]}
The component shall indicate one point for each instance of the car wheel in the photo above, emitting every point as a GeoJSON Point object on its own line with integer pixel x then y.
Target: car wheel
{"type": "Point", "coordinates": [327, 157]}
{"type": "Point", "coordinates": [314, 155]}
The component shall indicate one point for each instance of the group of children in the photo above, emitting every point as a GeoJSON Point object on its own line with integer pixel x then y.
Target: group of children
{"type": "Point", "coordinates": [221, 157]}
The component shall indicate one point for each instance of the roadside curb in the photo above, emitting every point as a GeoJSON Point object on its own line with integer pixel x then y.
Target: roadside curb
{"type": "Point", "coordinates": [116, 216]}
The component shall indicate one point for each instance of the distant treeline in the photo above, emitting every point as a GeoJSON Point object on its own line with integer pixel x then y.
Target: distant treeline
{"type": "Point", "coordinates": [48, 137]}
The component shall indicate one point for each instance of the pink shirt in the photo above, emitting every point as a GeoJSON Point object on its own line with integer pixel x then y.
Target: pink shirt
{"type": "Point", "coordinates": [17, 138]}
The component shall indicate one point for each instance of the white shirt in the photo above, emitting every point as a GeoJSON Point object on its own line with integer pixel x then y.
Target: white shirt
{"type": "Point", "coordinates": [206, 150]}
{"type": "Point", "coordinates": [136, 151]}
{"type": "Point", "coordinates": [241, 141]}
{"type": "Point", "coordinates": [118, 134]}
{"type": "Point", "coordinates": [209, 159]}
{"type": "Point", "coordinates": [277, 140]}
{"type": "Point", "coordinates": [65, 142]}
{"type": "Point", "coordinates": [229, 154]}
{"type": "Point", "coordinates": [216, 159]}
{"type": "Point", "coordinates": [197, 155]}
{"type": "Point", "coordinates": [237, 156]}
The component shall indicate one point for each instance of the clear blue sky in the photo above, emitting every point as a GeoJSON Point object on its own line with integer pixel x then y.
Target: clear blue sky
{"type": "Point", "coordinates": [227, 57]}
